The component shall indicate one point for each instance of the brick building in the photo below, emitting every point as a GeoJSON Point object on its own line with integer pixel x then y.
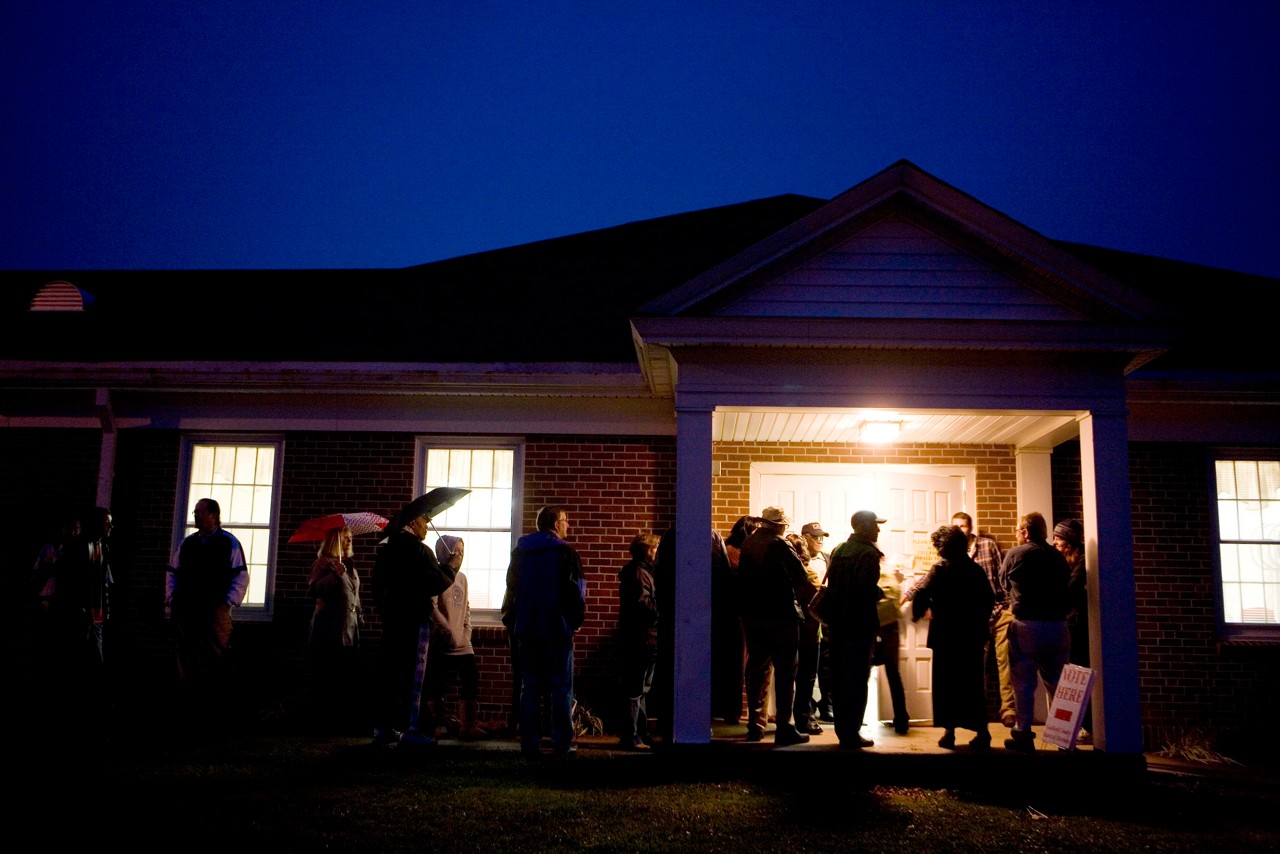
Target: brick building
{"type": "Point", "coordinates": [682, 372]}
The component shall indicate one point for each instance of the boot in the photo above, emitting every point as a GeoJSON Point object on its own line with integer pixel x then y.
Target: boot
{"type": "Point", "coordinates": [1022, 741]}
{"type": "Point", "coordinates": [470, 729]}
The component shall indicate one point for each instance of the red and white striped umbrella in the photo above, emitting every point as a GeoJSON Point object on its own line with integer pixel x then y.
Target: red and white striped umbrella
{"type": "Point", "coordinates": [313, 530]}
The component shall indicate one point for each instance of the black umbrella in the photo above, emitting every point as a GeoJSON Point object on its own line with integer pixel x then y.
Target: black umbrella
{"type": "Point", "coordinates": [431, 504]}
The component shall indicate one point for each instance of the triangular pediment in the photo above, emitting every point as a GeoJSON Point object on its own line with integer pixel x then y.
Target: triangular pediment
{"type": "Point", "coordinates": [902, 261]}
{"type": "Point", "coordinates": [904, 245]}
{"type": "Point", "coordinates": [893, 268]}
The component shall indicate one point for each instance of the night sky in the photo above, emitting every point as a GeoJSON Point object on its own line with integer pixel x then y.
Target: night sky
{"type": "Point", "coordinates": [320, 134]}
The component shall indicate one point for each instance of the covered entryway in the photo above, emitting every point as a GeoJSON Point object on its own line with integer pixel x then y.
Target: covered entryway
{"type": "Point", "coordinates": [904, 295]}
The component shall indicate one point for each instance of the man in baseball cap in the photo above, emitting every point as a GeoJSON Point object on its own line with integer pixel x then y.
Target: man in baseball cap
{"type": "Point", "coordinates": [813, 529]}
{"type": "Point", "coordinates": [853, 583]}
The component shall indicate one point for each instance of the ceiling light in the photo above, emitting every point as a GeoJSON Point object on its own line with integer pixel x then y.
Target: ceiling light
{"type": "Point", "coordinates": [879, 432]}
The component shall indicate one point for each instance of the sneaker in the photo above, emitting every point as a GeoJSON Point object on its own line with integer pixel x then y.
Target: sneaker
{"type": "Point", "coordinates": [1084, 737]}
{"type": "Point", "coordinates": [383, 737]}
{"type": "Point", "coordinates": [790, 735]}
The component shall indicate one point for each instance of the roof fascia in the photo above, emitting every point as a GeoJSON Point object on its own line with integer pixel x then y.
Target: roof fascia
{"type": "Point", "coordinates": [572, 379]}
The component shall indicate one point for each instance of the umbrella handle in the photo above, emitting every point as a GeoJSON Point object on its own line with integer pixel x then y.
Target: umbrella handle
{"type": "Point", "coordinates": [433, 527]}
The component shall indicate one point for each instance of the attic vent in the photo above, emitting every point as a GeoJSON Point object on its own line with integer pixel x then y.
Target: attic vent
{"type": "Point", "coordinates": [60, 296]}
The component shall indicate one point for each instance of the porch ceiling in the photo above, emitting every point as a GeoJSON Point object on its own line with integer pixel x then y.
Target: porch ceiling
{"type": "Point", "coordinates": [1022, 429]}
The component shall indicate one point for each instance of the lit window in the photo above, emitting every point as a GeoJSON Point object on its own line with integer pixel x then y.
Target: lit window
{"type": "Point", "coordinates": [1248, 496]}
{"type": "Point", "coordinates": [485, 518]}
{"type": "Point", "coordinates": [241, 475]}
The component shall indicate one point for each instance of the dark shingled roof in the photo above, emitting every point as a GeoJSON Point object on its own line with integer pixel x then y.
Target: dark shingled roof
{"type": "Point", "coordinates": [565, 299]}
{"type": "Point", "coordinates": [568, 299]}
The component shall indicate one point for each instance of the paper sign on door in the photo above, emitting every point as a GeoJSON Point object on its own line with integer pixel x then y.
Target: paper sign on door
{"type": "Point", "coordinates": [1064, 719]}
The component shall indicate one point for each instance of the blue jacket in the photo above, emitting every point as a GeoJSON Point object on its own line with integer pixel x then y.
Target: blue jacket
{"type": "Point", "coordinates": [546, 590]}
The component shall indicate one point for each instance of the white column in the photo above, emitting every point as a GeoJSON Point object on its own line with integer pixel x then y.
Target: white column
{"type": "Point", "coordinates": [691, 700]}
{"type": "Point", "coordinates": [1113, 627]}
{"type": "Point", "coordinates": [107, 458]}
{"type": "Point", "coordinates": [1033, 472]}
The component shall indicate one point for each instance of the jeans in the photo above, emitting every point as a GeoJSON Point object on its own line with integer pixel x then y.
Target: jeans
{"type": "Point", "coordinates": [806, 676]}
{"type": "Point", "coordinates": [1035, 646]}
{"type": "Point", "coordinates": [851, 665]}
{"type": "Point", "coordinates": [546, 667]}
{"type": "Point", "coordinates": [637, 678]}
{"type": "Point", "coordinates": [887, 647]}
{"type": "Point", "coordinates": [771, 643]}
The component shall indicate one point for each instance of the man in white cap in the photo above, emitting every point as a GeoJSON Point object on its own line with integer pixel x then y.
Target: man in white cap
{"type": "Point", "coordinates": [772, 581]}
{"type": "Point", "coordinates": [853, 582]}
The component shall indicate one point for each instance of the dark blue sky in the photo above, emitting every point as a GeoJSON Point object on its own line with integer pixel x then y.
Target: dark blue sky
{"type": "Point", "coordinates": [315, 134]}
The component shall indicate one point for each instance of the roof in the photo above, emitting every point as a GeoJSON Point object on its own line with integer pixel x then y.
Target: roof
{"type": "Point", "coordinates": [564, 299]}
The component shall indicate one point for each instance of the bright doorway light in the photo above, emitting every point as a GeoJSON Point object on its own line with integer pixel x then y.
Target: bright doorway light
{"type": "Point", "coordinates": [879, 432]}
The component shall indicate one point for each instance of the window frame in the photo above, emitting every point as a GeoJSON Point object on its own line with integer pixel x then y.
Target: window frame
{"type": "Point", "coordinates": [1228, 631]}
{"type": "Point", "coordinates": [480, 617]}
{"type": "Point", "coordinates": [264, 612]}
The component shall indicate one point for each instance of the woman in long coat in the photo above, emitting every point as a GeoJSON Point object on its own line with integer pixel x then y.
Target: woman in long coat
{"type": "Point", "coordinates": [335, 631]}
{"type": "Point", "coordinates": [958, 595]}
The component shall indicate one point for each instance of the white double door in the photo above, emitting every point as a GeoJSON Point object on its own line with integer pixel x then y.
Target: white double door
{"type": "Point", "coordinates": [915, 500]}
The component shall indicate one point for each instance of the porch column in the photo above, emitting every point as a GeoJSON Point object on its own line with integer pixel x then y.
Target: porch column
{"type": "Point", "coordinates": [107, 458]}
{"type": "Point", "coordinates": [1033, 471]}
{"type": "Point", "coordinates": [1113, 625]}
{"type": "Point", "coordinates": [691, 701]}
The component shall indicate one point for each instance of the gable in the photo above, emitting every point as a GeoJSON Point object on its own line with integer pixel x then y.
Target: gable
{"type": "Point", "coordinates": [896, 268]}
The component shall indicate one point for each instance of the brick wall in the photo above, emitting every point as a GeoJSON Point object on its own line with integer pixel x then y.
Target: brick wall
{"type": "Point", "coordinates": [611, 489]}
{"type": "Point", "coordinates": [1189, 681]}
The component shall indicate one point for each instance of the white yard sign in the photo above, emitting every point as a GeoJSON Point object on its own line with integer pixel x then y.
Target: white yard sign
{"type": "Point", "coordinates": [1063, 723]}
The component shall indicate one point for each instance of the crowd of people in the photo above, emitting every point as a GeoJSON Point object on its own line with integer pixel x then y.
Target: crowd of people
{"type": "Point", "coordinates": [795, 629]}
{"type": "Point", "coordinates": [1028, 607]}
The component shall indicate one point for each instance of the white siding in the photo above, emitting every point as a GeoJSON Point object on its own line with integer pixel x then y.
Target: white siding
{"type": "Point", "coordinates": [896, 269]}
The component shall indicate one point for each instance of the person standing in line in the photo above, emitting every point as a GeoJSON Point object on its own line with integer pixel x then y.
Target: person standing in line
{"type": "Point", "coordinates": [986, 553]}
{"type": "Point", "coordinates": [815, 537]}
{"type": "Point", "coordinates": [452, 651]}
{"type": "Point", "coordinates": [79, 609]}
{"type": "Point", "coordinates": [207, 579]}
{"type": "Point", "coordinates": [638, 639]}
{"type": "Point", "coordinates": [1068, 538]}
{"type": "Point", "coordinates": [334, 636]}
{"type": "Point", "coordinates": [1035, 577]}
{"type": "Point", "coordinates": [406, 575]}
{"type": "Point", "coordinates": [888, 642]}
{"type": "Point", "coordinates": [852, 582]}
{"type": "Point", "coordinates": [958, 597]}
{"type": "Point", "coordinates": [773, 582]}
{"type": "Point", "coordinates": [544, 606]}
{"type": "Point", "coordinates": [807, 651]}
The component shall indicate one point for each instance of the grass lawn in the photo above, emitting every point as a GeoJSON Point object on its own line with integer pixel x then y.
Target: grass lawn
{"type": "Point", "coordinates": [298, 793]}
